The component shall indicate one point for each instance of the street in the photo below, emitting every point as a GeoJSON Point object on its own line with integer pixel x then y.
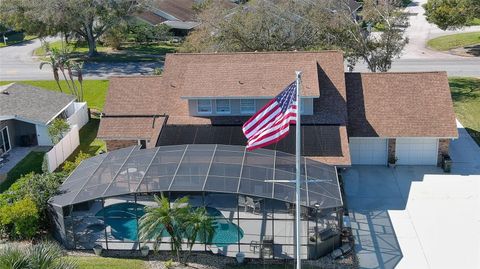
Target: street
{"type": "Point", "coordinates": [463, 66]}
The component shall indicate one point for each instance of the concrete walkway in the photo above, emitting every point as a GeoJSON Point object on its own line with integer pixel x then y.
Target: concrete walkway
{"type": "Point", "coordinates": [420, 31]}
{"type": "Point", "coordinates": [418, 216]}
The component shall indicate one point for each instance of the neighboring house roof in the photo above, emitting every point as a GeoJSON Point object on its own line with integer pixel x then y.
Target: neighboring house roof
{"type": "Point", "coordinates": [29, 103]}
{"type": "Point", "coordinates": [150, 17]}
{"type": "Point", "coordinates": [183, 25]}
{"type": "Point", "coordinates": [400, 105]}
{"type": "Point", "coordinates": [177, 14]}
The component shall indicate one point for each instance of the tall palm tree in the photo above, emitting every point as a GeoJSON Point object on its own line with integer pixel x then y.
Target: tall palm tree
{"type": "Point", "coordinates": [199, 227]}
{"type": "Point", "coordinates": [165, 217]}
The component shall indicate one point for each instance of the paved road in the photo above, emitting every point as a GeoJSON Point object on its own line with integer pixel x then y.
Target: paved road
{"type": "Point", "coordinates": [420, 31]}
{"type": "Point", "coordinates": [455, 67]}
{"type": "Point", "coordinates": [16, 63]}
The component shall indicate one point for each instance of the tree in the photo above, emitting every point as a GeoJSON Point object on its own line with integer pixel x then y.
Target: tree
{"type": "Point", "coordinates": [60, 61]}
{"type": "Point", "coordinates": [451, 14]}
{"type": "Point", "coordinates": [264, 25]}
{"type": "Point", "coordinates": [179, 220]}
{"type": "Point", "coordinates": [57, 128]}
{"type": "Point", "coordinates": [88, 19]}
{"type": "Point", "coordinates": [199, 226]}
{"type": "Point", "coordinates": [260, 25]}
{"type": "Point", "coordinates": [376, 49]}
{"type": "Point", "coordinates": [165, 217]}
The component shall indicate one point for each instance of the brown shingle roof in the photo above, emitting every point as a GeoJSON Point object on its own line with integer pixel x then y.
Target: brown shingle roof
{"type": "Point", "coordinates": [133, 96]}
{"type": "Point", "coordinates": [182, 9]}
{"type": "Point", "coordinates": [324, 76]}
{"type": "Point", "coordinates": [400, 105]}
{"type": "Point", "coordinates": [151, 17]}
{"type": "Point", "coordinates": [126, 128]}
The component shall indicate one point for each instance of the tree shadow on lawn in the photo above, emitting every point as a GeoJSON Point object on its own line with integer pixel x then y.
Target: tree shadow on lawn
{"type": "Point", "coordinates": [464, 89]}
{"type": "Point", "coordinates": [473, 50]}
{"type": "Point", "coordinates": [475, 134]}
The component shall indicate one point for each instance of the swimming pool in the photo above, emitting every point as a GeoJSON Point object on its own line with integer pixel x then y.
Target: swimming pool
{"type": "Point", "coordinates": [122, 220]}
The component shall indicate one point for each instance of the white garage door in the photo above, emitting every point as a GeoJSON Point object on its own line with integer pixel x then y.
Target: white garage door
{"type": "Point", "coordinates": [368, 150]}
{"type": "Point", "coordinates": [417, 151]}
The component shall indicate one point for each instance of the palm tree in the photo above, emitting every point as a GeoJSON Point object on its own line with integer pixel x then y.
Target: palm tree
{"type": "Point", "coordinates": [54, 62]}
{"type": "Point", "coordinates": [199, 225]}
{"type": "Point", "coordinates": [165, 217]}
{"type": "Point", "coordinates": [45, 255]}
{"type": "Point", "coordinates": [60, 62]}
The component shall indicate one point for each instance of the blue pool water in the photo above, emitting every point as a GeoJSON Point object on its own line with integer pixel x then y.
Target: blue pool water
{"type": "Point", "coordinates": [121, 218]}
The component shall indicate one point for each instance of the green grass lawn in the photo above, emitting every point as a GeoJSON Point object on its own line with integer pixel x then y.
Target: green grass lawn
{"type": "Point", "coordinates": [474, 22]}
{"type": "Point", "coordinates": [93, 262]}
{"type": "Point", "coordinates": [129, 53]}
{"type": "Point", "coordinates": [448, 42]}
{"type": "Point", "coordinates": [88, 140]}
{"type": "Point", "coordinates": [15, 38]}
{"type": "Point", "coordinates": [466, 101]}
{"type": "Point", "coordinates": [94, 90]}
{"type": "Point", "coordinates": [31, 163]}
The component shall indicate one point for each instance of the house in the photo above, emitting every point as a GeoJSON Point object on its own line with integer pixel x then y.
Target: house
{"type": "Point", "coordinates": [353, 118]}
{"type": "Point", "coordinates": [179, 15]}
{"type": "Point", "coordinates": [26, 111]}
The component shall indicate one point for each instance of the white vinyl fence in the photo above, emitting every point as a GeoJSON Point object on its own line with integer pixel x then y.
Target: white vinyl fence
{"type": "Point", "coordinates": [80, 116]}
{"type": "Point", "coordinates": [63, 149]}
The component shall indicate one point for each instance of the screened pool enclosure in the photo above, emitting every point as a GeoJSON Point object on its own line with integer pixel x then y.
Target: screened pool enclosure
{"type": "Point", "coordinates": [247, 193]}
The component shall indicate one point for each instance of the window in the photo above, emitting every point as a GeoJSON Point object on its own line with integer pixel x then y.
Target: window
{"type": "Point", "coordinates": [204, 106]}
{"type": "Point", "coordinates": [223, 106]}
{"type": "Point", "coordinates": [247, 106]}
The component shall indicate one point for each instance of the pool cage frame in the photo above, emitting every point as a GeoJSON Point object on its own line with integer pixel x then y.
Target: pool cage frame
{"type": "Point", "coordinates": [64, 222]}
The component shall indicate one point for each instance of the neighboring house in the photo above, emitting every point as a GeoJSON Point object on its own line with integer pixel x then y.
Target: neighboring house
{"type": "Point", "coordinates": [347, 119]}
{"type": "Point", "coordinates": [177, 14]}
{"type": "Point", "coordinates": [26, 111]}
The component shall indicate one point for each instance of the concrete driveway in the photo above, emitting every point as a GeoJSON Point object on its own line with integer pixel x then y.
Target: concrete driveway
{"type": "Point", "coordinates": [418, 216]}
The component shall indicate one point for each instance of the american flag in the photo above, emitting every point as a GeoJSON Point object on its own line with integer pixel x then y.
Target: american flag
{"type": "Point", "coordinates": [272, 123]}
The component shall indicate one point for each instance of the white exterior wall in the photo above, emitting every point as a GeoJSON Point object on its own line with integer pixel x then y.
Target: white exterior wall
{"type": "Point", "coordinates": [43, 138]}
{"type": "Point", "coordinates": [79, 116]}
{"type": "Point", "coordinates": [235, 107]}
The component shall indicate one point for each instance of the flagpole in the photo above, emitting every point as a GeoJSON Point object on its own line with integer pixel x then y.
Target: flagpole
{"type": "Point", "coordinates": [298, 147]}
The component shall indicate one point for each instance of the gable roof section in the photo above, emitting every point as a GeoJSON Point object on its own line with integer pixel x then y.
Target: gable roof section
{"type": "Point", "coordinates": [132, 109]}
{"type": "Point", "coordinates": [323, 76]}
{"type": "Point", "coordinates": [133, 96]}
{"type": "Point", "coordinates": [29, 103]}
{"type": "Point", "coordinates": [400, 105]}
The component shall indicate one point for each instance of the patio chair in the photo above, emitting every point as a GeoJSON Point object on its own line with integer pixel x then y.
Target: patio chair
{"type": "Point", "coordinates": [267, 246]}
{"type": "Point", "coordinates": [250, 203]}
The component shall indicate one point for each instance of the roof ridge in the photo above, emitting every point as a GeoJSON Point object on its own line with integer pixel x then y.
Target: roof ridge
{"type": "Point", "coordinates": [256, 52]}
{"type": "Point", "coordinates": [396, 73]}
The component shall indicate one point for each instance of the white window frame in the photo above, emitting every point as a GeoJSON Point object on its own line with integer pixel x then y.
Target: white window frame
{"type": "Point", "coordinates": [223, 112]}
{"type": "Point", "coordinates": [204, 112]}
{"type": "Point", "coordinates": [248, 112]}
{"type": "Point", "coordinates": [8, 137]}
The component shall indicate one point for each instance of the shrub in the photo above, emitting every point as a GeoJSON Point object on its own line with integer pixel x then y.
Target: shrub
{"type": "Point", "coordinates": [57, 129]}
{"type": "Point", "coordinates": [20, 219]}
{"type": "Point", "coordinates": [69, 166]}
{"type": "Point", "coordinates": [45, 255]}
{"type": "Point", "coordinates": [37, 190]}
